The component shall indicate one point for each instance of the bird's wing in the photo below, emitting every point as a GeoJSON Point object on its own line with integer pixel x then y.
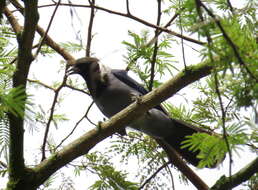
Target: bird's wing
{"type": "Point", "coordinates": [123, 76]}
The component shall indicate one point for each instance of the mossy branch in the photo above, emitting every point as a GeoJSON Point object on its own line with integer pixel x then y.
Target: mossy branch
{"type": "Point", "coordinates": [241, 176]}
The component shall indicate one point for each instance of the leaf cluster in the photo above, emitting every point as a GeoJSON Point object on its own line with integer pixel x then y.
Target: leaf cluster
{"type": "Point", "coordinates": [109, 177]}
{"type": "Point", "coordinates": [140, 55]}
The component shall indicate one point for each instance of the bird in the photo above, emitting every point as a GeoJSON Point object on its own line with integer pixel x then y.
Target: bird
{"type": "Point", "coordinates": [112, 90]}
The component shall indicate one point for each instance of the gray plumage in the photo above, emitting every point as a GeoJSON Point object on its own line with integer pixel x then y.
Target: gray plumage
{"type": "Point", "coordinates": [113, 90]}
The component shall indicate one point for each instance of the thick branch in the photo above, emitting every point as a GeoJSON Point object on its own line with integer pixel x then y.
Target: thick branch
{"type": "Point", "coordinates": [238, 178]}
{"type": "Point", "coordinates": [25, 41]}
{"type": "Point", "coordinates": [177, 161]}
{"type": "Point", "coordinates": [87, 141]}
{"type": "Point", "coordinates": [12, 20]}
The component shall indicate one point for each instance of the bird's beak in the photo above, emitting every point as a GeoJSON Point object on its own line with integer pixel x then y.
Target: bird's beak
{"type": "Point", "coordinates": [72, 70]}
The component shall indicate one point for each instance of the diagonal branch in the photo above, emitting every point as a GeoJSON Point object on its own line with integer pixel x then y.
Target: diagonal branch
{"type": "Point", "coordinates": [154, 174]}
{"type": "Point", "coordinates": [48, 27]}
{"type": "Point", "coordinates": [48, 40]}
{"type": "Point", "coordinates": [177, 161]}
{"type": "Point", "coordinates": [87, 141]}
{"type": "Point", "coordinates": [12, 20]}
{"type": "Point", "coordinates": [51, 115]}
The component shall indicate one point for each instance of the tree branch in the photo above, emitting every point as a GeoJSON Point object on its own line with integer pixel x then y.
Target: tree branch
{"type": "Point", "coordinates": [76, 125]}
{"type": "Point", "coordinates": [89, 38]}
{"type": "Point", "coordinates": [25, 41]}
{"type": "Point", "coordinates": [230, 42]}
{"type": "Point", "coordinates": [42, 84]}
{"type": "Point", "coordinates": [48, 40]}
{"type": "Point", "coordinates": [48, 27]}
{"type": "Point", "coordinates": [241, 176]}
{"type": "Point", "coordinates": [52, 109]}
{"type": "Point", "coordinates": [87, 141]}
{"type": "Point", "coordinates": [12, 20]}
{"type": "Point", "coordinates": [154, 174]}
{"type": "Point", "coordinates": [164, 29]}
{"type": "Point", "coordinates": [177, 161]}
{"type": "Point", "coordinates": [155, 50]}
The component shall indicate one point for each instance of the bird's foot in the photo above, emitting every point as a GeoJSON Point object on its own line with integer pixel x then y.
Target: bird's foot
{"type": "Point", "coordinates": [99, 126]}
{"type": "Point", "coordinates": [136, 98]}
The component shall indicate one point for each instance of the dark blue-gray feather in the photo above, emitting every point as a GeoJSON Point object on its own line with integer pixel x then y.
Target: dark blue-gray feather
{"type": "Point", "coordinates": [125, 78]}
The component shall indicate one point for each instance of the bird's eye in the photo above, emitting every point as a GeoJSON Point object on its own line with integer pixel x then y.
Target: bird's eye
{"type": "Point", "coordinates": [96, 69]}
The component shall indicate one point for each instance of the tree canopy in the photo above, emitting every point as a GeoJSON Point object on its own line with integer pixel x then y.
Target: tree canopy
{"type": "Point", "coordinates": [198, 58]}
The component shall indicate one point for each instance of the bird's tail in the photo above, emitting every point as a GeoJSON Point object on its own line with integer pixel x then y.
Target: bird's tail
{"type": "Point", "coordinates": [183, 130]}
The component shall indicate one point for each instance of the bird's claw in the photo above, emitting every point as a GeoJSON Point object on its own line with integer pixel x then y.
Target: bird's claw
{"type": "Point", "coordinates": [136, 98]}
{"type": "Point", "coordinates": [99, 126]}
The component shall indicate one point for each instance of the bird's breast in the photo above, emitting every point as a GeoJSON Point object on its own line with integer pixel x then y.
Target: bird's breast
{"type": "Point", "coordinates": [113, 99]}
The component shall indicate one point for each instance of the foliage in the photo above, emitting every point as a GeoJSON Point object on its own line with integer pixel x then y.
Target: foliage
{"type": "Point", "coordinates": [110, 178]}
{"type": "Point", "coordinates": [140, 55]}
{"type": "Point", "coordinates": [8, 97]}
{"type": "Point", "coordinates": [12, 100]}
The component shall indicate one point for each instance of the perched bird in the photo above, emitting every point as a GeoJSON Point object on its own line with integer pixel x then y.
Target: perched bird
{"type": "Point", "coordinates": [113, 90]}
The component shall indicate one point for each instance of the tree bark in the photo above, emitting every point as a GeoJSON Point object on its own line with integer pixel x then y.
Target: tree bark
{"type": "Point", "coordinates": [18, 175]}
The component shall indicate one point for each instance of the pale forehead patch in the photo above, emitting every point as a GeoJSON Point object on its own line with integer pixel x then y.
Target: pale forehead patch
{"type": "Point", "coordinates": [104, 69]}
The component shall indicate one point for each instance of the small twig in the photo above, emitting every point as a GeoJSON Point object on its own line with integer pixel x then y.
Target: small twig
{"type": "Point", "coordinates": [128, 7]}
{"type": "Point", "coordinates": [223, 111]}
{"type": "Point", "coordinates": [230, 42]}
{"type": "Point", "coordinates": [89, 38]}
{"type": "Point", "coordinates": [154, 39]}
{"type": "Point", "coordinates": [86, 114]}
{"type": "Point", "coordinates": [227, 106]}
{"type": "Point", "coordinates": [154, 174]}
{"type": "Point", "coordinates": [48, 40]}
{"type": "Point", "coordinates": [155, 50]}
{"type": "Point", "coordinates": [230, 6]}
{"type": "Point", "coordinates": [77, 89]}
{"type": "Point", "coordinates": [53, 89]}
{"type": "Point", "coordinates": [223, 117]}
{"type": "Point", "coordinates": [182, 40]}
{"type": "Point", "coordinates": [3, 165]}
{"type": "Point", "coordinates": [52, 109]}
{"type": "Point", "coordinates": [76, 125]}
{"type": "Point", "coordinates": [46, 32]}
{"type": "Point", "coordinates": [42, 84]}
{"type": "Point", "coordinates": [172, 178]}
{"type": "Point", "coordinates": [136, 19]}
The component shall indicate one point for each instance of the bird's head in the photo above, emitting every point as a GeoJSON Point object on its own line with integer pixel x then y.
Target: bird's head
{"type": "Point", "coordinates": [85, 67]}
{"type": "Point", "coordinates": [94, 73]}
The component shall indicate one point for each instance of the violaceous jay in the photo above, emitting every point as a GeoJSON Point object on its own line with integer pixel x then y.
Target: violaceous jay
{"type": "Point", "coordinates": [113, 90]}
